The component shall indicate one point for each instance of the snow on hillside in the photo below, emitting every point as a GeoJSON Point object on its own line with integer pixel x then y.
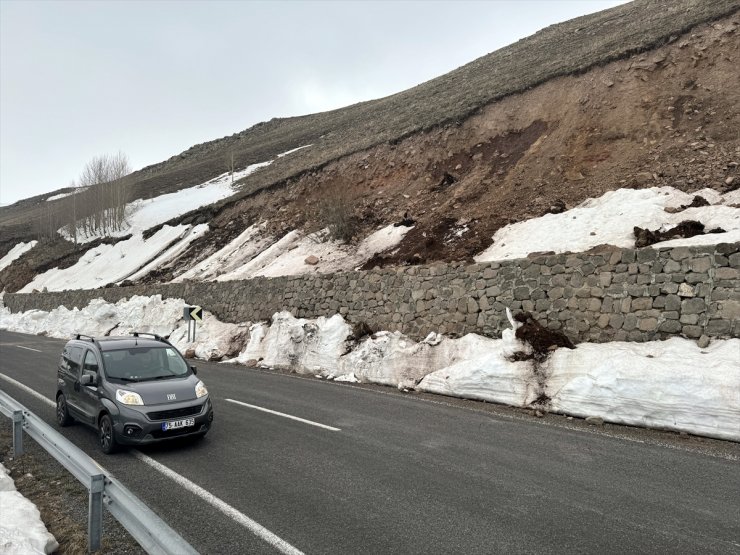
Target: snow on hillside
{"type": "Point", "coordinates": [610, 219]}
{"type": "Point", "coordinates": [143, 214]}
{"type": "Point", "coordinates": [670, 384]}
{"type": "Point", "coordinates": [15, 253]}
{"type": "Point", "coordinates": [21, 529]}
{"type": "Point", "coordinates": [253, 254]}
{"type": "Point", "coordinates": [113, 263]}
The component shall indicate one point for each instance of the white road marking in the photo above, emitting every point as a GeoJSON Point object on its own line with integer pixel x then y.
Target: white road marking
{"type": "Point", "coordinates": [28, 390]}
{"type": "Point", "coordinates": [29, 349]}
{"type": "Point", "coordinates": [333, 429]}
{"type": "Point", "coordinates": [254, 527]}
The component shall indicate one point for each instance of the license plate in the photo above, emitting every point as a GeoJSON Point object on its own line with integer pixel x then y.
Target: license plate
{"type": "Point", "coordinates": [175, 424]}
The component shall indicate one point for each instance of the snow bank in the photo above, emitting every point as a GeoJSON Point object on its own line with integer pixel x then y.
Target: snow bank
{"type": "Point", "coordinates": [610, 219]}
{"type": "Point", "coordinates": [669, 384]}
{"type": "Point", "coordinates": [15, 253]}
{"type": "Point", "coordinates": [113, 263]}
{"type": "Point", "coordinates": [21, 530]}
{"type": "Point", "coordinates": [307, 346]}
{"type": "Point", "coordinates": [214, 339]}
{"type": "Point", "coordinates": [661, 384]}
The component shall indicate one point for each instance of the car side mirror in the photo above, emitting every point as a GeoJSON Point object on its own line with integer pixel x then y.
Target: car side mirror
{"type": "Point", "coordinates": [88, 379]}
{"type": "Point", "coordinates": [194, 369]}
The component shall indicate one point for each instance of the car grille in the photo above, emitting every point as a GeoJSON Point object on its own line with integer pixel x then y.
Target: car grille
{"type": "Point", "coordinates": [174, 413]}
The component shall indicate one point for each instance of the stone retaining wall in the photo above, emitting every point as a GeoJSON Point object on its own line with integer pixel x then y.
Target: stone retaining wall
{"type": "Point", "coordinates": [616, 294]}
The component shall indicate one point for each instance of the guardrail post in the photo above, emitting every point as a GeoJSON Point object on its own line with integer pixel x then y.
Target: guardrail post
{"type": "Point", "coordinates": [95, 513]}
{"type": "Point", "coordinates": [17, 433]}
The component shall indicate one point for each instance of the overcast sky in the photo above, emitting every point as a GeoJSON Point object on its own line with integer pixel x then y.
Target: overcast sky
{"type": "Point", "coordinates": [151, 79]}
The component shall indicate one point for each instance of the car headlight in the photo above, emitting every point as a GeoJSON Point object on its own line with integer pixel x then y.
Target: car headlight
{"type": "Point", "coordinates": [200, 390]}
{"type": "Point", "coordinates": [128, 397]}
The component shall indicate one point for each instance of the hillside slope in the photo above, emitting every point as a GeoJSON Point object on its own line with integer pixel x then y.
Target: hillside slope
{"type": "Point", "coordinates": [460, 162]}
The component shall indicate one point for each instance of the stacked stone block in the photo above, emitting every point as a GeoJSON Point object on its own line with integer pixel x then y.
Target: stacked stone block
{"type": "Point", "coordinates": [613, 295]}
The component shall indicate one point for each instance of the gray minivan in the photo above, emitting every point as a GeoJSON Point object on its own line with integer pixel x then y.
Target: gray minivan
{"type": "Point", "coordinates": [134, 390]}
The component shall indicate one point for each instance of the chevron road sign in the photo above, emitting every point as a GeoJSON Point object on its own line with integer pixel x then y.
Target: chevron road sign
{"type": "Point", "coordinates": [192, 314]}
{"type": "Point", "coordinates": [196, 313]}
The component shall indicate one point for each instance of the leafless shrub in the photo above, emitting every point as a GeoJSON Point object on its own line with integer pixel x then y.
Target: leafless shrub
{"type": "Point", "coordinates": [336, 213]}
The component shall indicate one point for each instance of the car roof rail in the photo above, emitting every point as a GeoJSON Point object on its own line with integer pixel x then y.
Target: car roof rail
{"type": "Point", "coordinates": [154, 335]}
{"type": "Point", "coordinates": [83, 337]}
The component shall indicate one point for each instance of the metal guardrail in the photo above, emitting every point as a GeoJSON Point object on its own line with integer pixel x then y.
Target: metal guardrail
{"type": "Point", "coordinates": [152, 533]}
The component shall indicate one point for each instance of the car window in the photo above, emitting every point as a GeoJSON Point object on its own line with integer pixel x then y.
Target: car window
{"type": "Point", "coordinates": [144, 363]}
{"type": "Point", "coordinates": [91, 363]}
{"type": "Point", "coordinates": [71, 359]}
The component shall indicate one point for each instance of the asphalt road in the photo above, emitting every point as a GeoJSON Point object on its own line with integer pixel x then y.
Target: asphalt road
{"type": "Point", "coordinates": [403, 474]}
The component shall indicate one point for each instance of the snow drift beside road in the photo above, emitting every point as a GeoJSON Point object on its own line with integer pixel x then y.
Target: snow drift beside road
{"type": "Point", "coordinates": [22, 531]}
{"type": "Point", "coordinates": [669, 384]}
{"type": "Point", "coordinates": [214, 339]}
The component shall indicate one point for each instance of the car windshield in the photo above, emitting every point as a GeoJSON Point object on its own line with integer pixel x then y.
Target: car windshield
{"type": "Point", "coordinates": [144, 363]}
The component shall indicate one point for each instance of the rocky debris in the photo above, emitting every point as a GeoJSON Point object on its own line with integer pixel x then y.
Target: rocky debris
{"type": "Point", "coordinates": [542, 340]}
{"type": "Point", "coordinates": [557, 207]}
{"type": "Point", "coordinates": [311, 260]}
{"type": "Point", "coordinates": [697, 202]}
{"type": "Point", "coordinates": [406, 221]}
{"type": "Point", "coordinates": [595, 420]}
{"type": "Point", "coordinates": [360, 330]}
{"type": "Point", "coordinates": [684, 230]}
{"type": "Point", "coordinates": [447, 180]}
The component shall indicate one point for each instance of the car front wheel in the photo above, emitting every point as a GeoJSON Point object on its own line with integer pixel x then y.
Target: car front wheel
{"type": "Point", "coordinates": [106, 435]}
{"type": "Point", "coordinates": [63, 417]}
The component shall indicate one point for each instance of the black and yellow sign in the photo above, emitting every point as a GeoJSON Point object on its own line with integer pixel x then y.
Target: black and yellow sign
{"type": "Point", "coordinates": [193, 313]}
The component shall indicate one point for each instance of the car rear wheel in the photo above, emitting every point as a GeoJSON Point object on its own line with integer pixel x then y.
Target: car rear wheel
{"type": "Point", "coordinates": [106, 435]}
{"type": "Point", "coordinates": [63, 417]}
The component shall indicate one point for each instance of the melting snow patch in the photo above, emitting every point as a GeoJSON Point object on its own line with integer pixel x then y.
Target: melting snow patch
{"type": "Point", "coordinates": [293, 150]}
{"type": "Point", "coordinates": [15, 253]}
{"type": "Point", "coordinates": [113, 263]}
{"type": "Point", "coordinates": [21, 528]}
{"type": "Point", "coordinates": [611, 218]}
{"type": "Point", "coordinates": [143, 214]}
{"type": "Point", "coordinates": [253, 254]}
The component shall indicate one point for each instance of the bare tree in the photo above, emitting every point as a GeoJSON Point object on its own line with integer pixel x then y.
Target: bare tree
{"type": "Point", "coordinates": [106, 190]}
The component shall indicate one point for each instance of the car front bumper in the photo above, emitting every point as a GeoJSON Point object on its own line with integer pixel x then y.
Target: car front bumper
{"type": "Point", "coordinates": [134, 427]}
